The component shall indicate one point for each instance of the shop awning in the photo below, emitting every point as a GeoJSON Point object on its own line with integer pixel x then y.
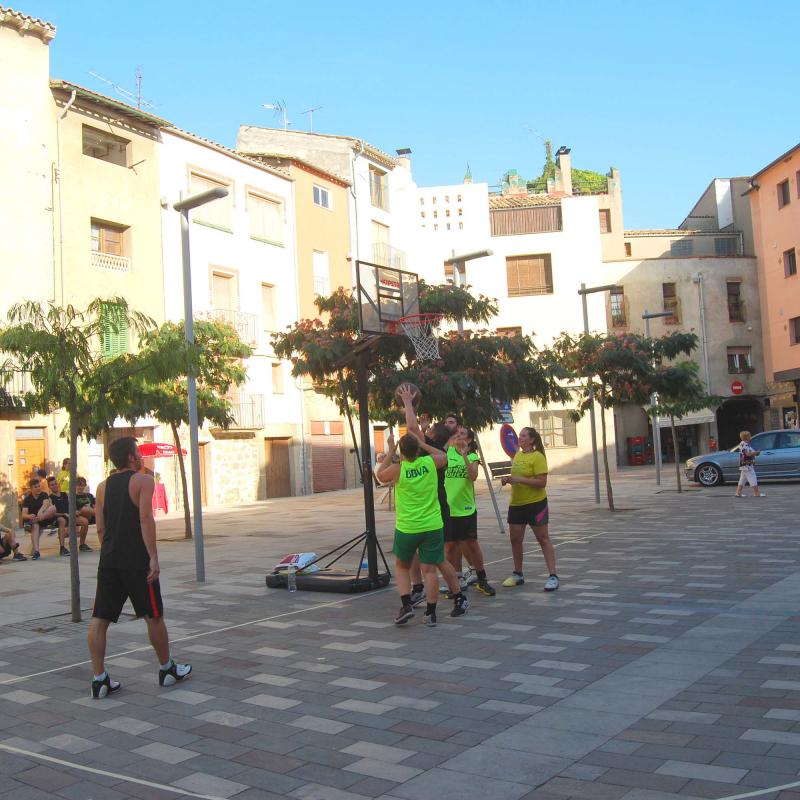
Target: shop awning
{"type": "Point", "coordinates": [695, 418]}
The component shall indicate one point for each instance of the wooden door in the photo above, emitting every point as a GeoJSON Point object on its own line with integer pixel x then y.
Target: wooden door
{"type": "Point", "coordinates": [30, 456]}
{"type": "Point", "coordinates": [202, 459]}
{"type": "Point", "coordinates": [278, 477]}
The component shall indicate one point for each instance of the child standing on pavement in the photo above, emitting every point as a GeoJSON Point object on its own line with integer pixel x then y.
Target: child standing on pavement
{"type": "Point", "coordinates": [747, 469]}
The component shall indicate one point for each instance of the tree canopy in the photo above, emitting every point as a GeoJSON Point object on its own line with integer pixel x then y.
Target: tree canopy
{"type": "Point", "coordinates": [474, 372]}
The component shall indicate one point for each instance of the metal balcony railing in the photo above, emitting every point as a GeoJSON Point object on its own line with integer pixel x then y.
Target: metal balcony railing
{"type": "Point", "coordinates": [246, 325]}
{"type": "Point", "coordinates": [387, 256]}
{"type": "Point", "coordinates": [110, 262]}
{"type": "Point", "coordinates": [13, 387]}
{"type": "Point", "coordinates": [736, 311]}
{"type": "Point", "coordinates": [247, 411]}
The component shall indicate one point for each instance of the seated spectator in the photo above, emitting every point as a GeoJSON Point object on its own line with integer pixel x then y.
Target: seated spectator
{"type": "Point", "coordinates": [59, 516]}
{"type": "Point", "coordinates": [8, 545]}
{"type": "Point", "coordinates": [84, 500]}
{"type": "Point", "coordinates": [32, 504]}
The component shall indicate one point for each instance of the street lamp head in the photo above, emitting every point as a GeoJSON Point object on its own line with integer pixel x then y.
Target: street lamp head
{"type": "Point", "coordinates": [593, 289]}
{"type": "Point", "coordinates": [469, 256]}
{"type": "Point", "coordinates": [656, 314]}
{"type": "Point", "coordinates": [200, 199]}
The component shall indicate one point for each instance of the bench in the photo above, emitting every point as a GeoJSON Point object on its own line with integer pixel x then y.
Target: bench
{"type": "Point", "coordinates": [499, 469]}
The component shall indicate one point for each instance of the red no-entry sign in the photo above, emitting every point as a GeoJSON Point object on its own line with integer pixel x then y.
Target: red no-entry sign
{"type": "Point", "coordinates": [737, 387]}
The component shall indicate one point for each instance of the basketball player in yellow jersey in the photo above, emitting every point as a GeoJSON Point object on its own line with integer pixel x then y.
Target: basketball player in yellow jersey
{"type": "Point", "coordinates": [528, 505]}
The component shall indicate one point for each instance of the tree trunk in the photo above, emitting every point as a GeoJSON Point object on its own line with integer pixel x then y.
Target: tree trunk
{"type": "Point", "coordinates": [609, 490]}
{"type": "Point", "coordinates": [677, 455]}
{"type": "Point", "coordinates": [74, 571]}
{"type": "Point", "coordinates": [187, 519]}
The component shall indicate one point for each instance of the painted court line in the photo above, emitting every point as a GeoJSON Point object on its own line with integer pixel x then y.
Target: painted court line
{"type": "Point", "coordinates": [202, 634]}
{"type": "Point", "coordinates": [106, 774]}
{"type": "Point", "coordinates": [761, 792]}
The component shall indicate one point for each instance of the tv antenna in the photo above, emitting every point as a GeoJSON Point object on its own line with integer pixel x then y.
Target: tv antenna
{"type": "Point", "coordinates": [310, 112]}
{"type": "Point", "coordinates": [132, 97]}
{"type": "Point", "coordinates": [279, 107]}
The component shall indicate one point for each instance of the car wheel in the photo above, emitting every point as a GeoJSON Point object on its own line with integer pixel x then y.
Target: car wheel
{"type": "Point", "coordinates": [708, 475]}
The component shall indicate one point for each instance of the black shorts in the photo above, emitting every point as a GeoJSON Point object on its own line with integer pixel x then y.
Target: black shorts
{"type": "Point", "coordinates": [533, 514]}
{"type": "Point", "coordinates": [462, 528]}
{"type": "Point", "coordinates": [115, 586]}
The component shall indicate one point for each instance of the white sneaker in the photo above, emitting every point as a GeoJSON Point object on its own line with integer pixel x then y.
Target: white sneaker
{"type": "Point", "coordinates": [472, 577]}
{"type": "Point", "coordinates": [551, 584]}
{"type": "Point", "coordinates": [463, 583]}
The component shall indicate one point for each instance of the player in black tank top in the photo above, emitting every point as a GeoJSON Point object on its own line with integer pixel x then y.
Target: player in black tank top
{"type": "Point", "coordinates": [128, 567]}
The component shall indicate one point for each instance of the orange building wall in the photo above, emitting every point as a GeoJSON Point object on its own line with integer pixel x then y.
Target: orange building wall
{"type": "Point", "coordinates": [776, 230]}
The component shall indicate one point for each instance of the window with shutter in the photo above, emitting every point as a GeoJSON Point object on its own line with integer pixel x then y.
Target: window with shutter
{"type": "Point", "coordinates": [217, 213]}
{"type": "Point", "coordinates": [113, 330]}
{"type": "Point", "coordinates": [556, 428]}
{"type": "Point", "coordinates": [529, 275]}
{"type": "Point", "coordinates": [266, 218]}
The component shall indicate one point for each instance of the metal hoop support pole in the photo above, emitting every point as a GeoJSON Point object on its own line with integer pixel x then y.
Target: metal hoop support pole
{"type": "Point", "coordinates": [488, 477]}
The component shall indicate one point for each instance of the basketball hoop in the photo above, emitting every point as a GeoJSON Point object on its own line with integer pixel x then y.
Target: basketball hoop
{"type": "Point", "coordinates": [421, 329]}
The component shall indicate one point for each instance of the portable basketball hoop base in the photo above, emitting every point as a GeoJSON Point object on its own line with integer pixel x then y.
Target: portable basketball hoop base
{"type": "Point", "coordinates": [330, 579]}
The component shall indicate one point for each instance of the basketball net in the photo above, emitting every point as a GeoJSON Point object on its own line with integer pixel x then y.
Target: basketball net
{"type": "Point", "coordinates": [421, 329]}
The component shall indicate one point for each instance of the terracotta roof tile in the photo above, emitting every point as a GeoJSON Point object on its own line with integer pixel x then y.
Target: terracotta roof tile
{"type": "Point", "coordinates": [23, 22]}
{"type": "Point", "coordinates": [522, 201]}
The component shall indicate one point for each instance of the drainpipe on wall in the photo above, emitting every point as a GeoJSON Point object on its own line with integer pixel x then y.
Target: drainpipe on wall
{"type": "Point", "coordinates": [299, 381]}
{"type": "Point", "coordinates": [58, 177]}
{"type": "Point", "coordinates": [698, 279]}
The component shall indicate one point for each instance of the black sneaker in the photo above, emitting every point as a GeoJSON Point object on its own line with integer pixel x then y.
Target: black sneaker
{"type": "Point", "coordinates": [63, 551]}
{"type": "Point", "coordinates": [36, 555]}
{"type": "Point", "coordinates": [404, 615]}
{"type": "Point", "coordinates": [104, 687]}
{"type": "Point", "coordinates": [484, 587]}
{"type": "Point", "coordinates": [84, 548]}
{"type": "Point", "coordinates": [430, 619]}
{"type": "Point", "coordinates": [19, 557]}
{"type": "Point", "coordinates": [460, 607]}
{"type": "Point", "coordinates": [174, 673]}
{"type": "Point", "coordinates": [417, 597]}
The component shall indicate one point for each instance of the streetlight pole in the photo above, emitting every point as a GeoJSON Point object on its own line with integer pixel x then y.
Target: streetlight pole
{"type": "Point", "coordinates": [583, 291]}
{"type": "Point", "coordinates": [647, 316]}
{"type": "Point", "coordinates": [184, 206]}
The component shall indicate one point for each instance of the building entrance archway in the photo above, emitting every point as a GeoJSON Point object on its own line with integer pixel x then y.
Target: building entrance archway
{"type": "Point", "coordinates": [738, 414]}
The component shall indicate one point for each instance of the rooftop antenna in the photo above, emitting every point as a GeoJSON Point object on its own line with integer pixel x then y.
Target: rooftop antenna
{"type": "Point", "coordinates": [279, 107]}
{"type": "Point", "coordinates": [310, 112]}
{"type": "Point", "coordinates": [131, 97]}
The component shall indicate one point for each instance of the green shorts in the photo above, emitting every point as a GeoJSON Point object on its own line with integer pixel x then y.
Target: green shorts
{"type": "Point", "coordinates": [430, 545]}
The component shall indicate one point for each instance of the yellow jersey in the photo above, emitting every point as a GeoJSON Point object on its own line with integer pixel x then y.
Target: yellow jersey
{"type": "Point", "coordinates": [527, 465]}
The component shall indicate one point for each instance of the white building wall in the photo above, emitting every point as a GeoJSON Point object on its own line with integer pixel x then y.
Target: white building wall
{"type": "Point", "coordinates": [252, 262]}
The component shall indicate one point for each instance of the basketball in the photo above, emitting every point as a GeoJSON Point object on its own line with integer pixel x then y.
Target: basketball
{"type": "Point", "coordinates": [415, 392]}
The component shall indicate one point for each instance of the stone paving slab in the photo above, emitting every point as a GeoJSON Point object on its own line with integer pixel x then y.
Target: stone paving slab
{"type": "Point", "coordinates": [666, 666]}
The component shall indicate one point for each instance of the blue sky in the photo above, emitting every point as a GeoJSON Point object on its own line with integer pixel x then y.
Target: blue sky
{"type": "Point", "coordinates": [671, 93]}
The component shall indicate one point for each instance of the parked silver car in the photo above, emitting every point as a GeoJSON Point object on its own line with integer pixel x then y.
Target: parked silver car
{"type": "Point", "coordinates": [780, 458]}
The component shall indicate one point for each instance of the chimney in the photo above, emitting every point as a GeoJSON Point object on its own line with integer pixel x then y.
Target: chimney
{"type": "Point", "coordinates": [563, 171]}
{"type": "Point", "coordinates": [404, 158]}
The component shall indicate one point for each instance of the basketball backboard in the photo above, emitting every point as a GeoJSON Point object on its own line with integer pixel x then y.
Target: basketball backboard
{"type": "Point", "coordinates": [385, 295]}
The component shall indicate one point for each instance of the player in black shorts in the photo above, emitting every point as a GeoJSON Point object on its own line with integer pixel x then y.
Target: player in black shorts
{"type": "Point", "coordinates": [128, 567]}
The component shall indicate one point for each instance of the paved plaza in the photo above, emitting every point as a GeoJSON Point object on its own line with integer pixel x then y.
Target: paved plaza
{"type": "Point", "coordinates": [665, 666]}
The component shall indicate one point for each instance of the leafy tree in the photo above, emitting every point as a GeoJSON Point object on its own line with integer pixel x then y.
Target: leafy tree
{"type": "Point", "coordinates": [219, 353]}
{"type": "Point", "coordinates": [618, 369]}
{"type": "Point", "coordinates": [65, 353]}
{"type": "Point", "coordinates": [679, 392]}
{"type": "Point", "coordinates": [472, 372]}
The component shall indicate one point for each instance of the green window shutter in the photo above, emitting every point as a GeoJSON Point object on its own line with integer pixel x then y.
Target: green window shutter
{"type": "Point", "coordinates": [114, 331]}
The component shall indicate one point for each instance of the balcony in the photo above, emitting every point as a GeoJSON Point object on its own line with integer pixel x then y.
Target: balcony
{"type": "Point", "coordinates": [247, 411]}
{"type": "Point", "coordinates": [387, 256]}
{"type": "Point", "coordinates": [13, 387]}
{"type": "Point", "coordinates": [246, 325]}
{"type": "Point", "coordinates": [110, 262]}
{"type": "Point", "coordinates": [736, 311]}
